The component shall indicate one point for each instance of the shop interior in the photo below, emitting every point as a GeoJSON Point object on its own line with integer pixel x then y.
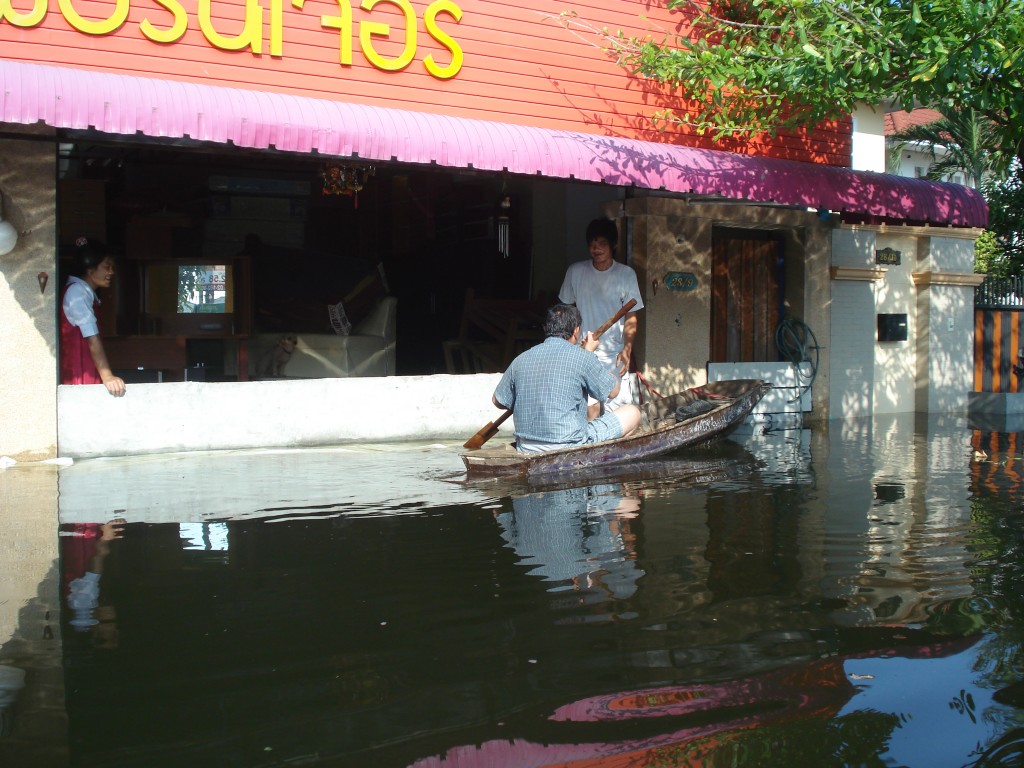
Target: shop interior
{"type": "Point", "coordinates": [216, 247]}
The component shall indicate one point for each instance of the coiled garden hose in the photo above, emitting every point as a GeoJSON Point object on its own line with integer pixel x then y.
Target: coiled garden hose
{"type": "Point", "coordinates": [797, 344]}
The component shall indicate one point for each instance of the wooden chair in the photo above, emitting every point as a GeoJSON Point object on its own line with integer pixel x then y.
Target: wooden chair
{"type": "Point", "coordinates": [492, 332]}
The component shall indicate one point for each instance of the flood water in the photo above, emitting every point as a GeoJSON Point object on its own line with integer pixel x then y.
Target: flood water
{"type": "Point", "coordinates": [843, 596]}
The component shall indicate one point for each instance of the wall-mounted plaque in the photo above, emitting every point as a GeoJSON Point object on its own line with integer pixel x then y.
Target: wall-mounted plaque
{"type": "Point", "coordinates": [888, 256]}
{"type": "Point", "coordinates": [680, 281]}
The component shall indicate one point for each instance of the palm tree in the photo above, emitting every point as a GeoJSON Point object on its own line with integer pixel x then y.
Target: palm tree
{"type": "Point", "coordinates": [962, 140]}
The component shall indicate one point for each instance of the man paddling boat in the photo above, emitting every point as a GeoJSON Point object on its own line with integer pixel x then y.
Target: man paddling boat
{"type": "Point", "coordinates": [547, 387]}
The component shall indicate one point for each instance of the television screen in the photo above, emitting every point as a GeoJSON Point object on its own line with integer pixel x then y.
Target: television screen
{"type": "Point", "coordinates": [189, 289]}
{"type": "Point", "coordinates": [202, 288]}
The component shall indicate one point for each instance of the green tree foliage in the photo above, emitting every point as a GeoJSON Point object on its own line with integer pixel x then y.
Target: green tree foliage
{"type": "Point", "coordinates": [1001, 251]}
{"type": "Point", "coordinates": [762, 65]}
{"type": "Point", "coordinates": [988, 256]}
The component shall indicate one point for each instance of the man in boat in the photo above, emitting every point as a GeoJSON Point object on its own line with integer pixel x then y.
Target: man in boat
{"type": "Point", "coordinates": [600, 287]}
{"type": "Point", "coordinates": [547, 387]}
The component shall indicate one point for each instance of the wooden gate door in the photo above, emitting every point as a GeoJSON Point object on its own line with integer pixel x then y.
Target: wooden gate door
{"type": "Point", "coordinates": [746, 294]}
{"type": "Point", "coordinates": [998, 335]}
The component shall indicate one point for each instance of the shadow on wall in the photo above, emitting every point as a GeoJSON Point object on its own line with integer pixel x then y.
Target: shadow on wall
{"type": "Point", "coordinates": [667, 379]}
{"type": "Point", "coordinates": [30, 207]}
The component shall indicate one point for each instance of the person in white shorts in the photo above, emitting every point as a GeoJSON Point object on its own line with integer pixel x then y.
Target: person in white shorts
{"type": "Point", "coordinates": [599, 288]}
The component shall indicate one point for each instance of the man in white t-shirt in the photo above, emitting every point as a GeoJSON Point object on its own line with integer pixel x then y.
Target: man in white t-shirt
{"type": "Point", "coordinates": [599, 288]}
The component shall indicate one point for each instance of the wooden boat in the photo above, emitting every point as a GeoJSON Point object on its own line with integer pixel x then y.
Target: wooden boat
{"type": "Point", "coordinates": [721, 461]}
{"type": "Point", "coordinates": [692, 417]}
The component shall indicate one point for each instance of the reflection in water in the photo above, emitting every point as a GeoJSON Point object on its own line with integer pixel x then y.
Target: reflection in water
{"type": "Point", "coordinates": [810, 691]}
{"type": "Point", "coordinates": [12, 681]}
{"type": "Point", "coordinates": [84, 550]}
{"type": "Point", "coordinates": [204, 536]}
{"type": "Point", "coordinates": [578, 538]}
{"type": "Point", "coordinates": [847, 597]}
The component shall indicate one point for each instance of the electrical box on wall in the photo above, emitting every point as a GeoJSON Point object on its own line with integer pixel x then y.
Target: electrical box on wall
{"type": "Point", "coordinates": [892, 327]}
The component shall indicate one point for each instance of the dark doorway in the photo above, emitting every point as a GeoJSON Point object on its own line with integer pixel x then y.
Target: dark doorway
{"type": "Point", "coordinates": [747, 285]}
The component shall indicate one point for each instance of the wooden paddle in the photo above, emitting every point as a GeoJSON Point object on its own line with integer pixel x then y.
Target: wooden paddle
{"type": "Point", "coordinates": [623, 311]}
{"type": "Point", "coordinates": [491, 428]}
{"type": "Point", "coordinates": [485, 434]}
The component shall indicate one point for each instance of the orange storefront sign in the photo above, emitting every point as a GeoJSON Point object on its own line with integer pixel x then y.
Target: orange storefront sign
{"type": "Point", "coordinates": [513, 62]}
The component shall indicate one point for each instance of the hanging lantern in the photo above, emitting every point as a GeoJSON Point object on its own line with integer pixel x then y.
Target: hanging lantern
{"type": "Point", "coordinates": [504, 237]}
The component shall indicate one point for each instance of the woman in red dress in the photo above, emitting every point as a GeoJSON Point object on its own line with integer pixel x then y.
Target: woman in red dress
{"type": "Point", "coordinates": [82, 357]}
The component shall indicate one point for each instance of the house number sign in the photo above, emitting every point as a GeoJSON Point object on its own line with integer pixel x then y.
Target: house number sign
{"type": "Point", "coordinates": [680, 281]}
{"type": "Point", "coordinates": [887, 256]}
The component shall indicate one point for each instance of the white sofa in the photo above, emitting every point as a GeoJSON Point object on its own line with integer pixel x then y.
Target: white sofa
{"type": "Point", "coordinates": [369, 350]}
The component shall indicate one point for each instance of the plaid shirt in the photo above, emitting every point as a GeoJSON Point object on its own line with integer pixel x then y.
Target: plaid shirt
{"type": "Point", "coordinates": [547, 388]}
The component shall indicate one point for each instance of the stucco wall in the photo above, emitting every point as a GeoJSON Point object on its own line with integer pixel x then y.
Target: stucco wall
{"type": "Point", "coordinates": [868, 375]}
{"type": "Point", "coordinates": [673, 344]}
{"type": "Point", "coordinates": [670, 235]}
{"type": "Point", "coordinates": [28, 378]}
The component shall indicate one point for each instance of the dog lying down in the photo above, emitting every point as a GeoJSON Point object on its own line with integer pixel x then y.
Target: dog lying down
{"type": "Point", "coordinates": [274, 360]}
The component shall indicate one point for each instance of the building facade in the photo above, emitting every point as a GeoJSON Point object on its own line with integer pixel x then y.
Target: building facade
{"type": "Point", "coordinates": [446, 147]}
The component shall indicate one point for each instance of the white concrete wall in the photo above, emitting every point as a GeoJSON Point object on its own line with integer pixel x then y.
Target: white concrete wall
{"type": "Point", "coordinates": [895, 362]}
{"type": "Point", "coordinates": [945, 254]}
{"type": "Point", "coordinates": [868, 375]}
{"type": "Point", "coordinates": [790, 393]}
{"type": "Point", "coordinates": [916, 160]}
{"type": "Point", "coordinates": [854, 248]}
{"type": "Point", "coordinates": [199, 416]}
{"type": "Point", "coordinates": [852, 370]}
{"type": "Point", "coordinates": [933, 370]}
{"type": "Point", "coordinates": [945, 339]}
{"type": "Point", "coordinates": [868, 140]}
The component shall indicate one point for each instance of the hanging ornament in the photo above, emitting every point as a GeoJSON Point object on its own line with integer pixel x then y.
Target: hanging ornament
{"type": "Point", "coordinates": [332, 177]}
{"type": "Point", "coordinates": [504, 238]}
{"type": "Point", "coordinates": [346, 180]}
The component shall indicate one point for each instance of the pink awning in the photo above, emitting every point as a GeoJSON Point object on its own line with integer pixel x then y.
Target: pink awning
{"type": "Point", "coordinates": [121, 104]}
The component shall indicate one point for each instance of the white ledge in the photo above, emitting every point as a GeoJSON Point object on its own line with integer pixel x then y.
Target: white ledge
{"type": "Point", "coordinates": [857, 273]}
{"type": "Point", "coordinates": [972, 279]}
{"type": "Point", "coordinates": [934, 230]}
